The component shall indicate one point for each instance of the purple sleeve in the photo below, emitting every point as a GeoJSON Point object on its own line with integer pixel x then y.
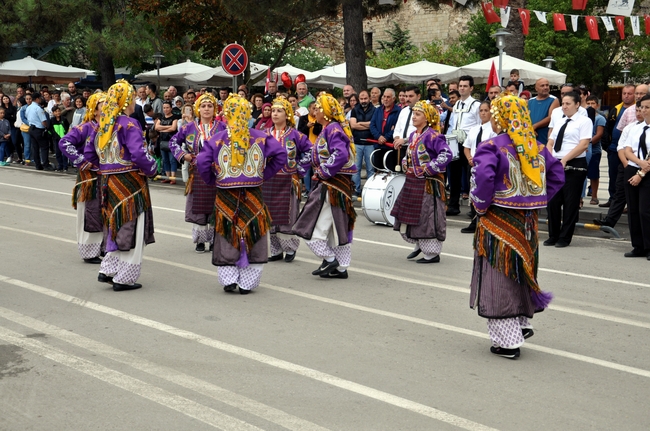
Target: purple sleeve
{"type": "Point", "coordinates": [303, 145]}
{"type": "Point", "coordinates": [437, 145]}
{"type": "Point", "coordinates": [484, 174]}
{"type": "Point", "coordinates": [275, 155]}
{"type": "Point", "coordinates": [554, 173]}
{"type": "Point", "coordinates": [208, 155]}
{"type": "Point", "coordinates": [133, 140]}
{"type": "Point", "coordinates": [176, 142]}
{"type": "Point", "coordinates": [90, 153]}
{"type": "Point", "coordinates": [72, 145]}
{"type": "Point", "coordinates": [339, 149]}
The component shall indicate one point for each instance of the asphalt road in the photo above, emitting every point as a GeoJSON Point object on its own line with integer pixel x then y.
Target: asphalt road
{"type": "Point", "coordinates": [394, 347]}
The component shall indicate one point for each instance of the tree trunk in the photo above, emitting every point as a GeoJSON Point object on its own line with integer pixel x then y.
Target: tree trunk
{"type": "Point", "coordinates": [354, 45]}
{"type": "Point", "coordinates": [515, 43]}
{"type": "Point", "coordinates": [105, 60]}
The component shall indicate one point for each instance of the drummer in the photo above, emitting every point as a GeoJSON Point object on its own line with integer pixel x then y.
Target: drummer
{"type": "Point", "coordinates": [420, 207]}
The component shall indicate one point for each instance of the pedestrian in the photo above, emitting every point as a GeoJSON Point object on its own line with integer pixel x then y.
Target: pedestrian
{"type": "Point", "coordinates": [504, 286]}
{"type": "Point", "coordinates": [59, 126]}
{"type": "Point", "coordinates": [38, 125]}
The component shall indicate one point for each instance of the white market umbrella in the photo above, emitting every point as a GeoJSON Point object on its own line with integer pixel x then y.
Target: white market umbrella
{"type": "Point", "coordinates": [38, 71]}
{"type": "Point", "coordinates": [336, 76]}
{"type": "Point", "coordinates": [175, 74]}
{"type": "Point", "coordinates": [528, 72]}
{"type": "Point", "coordinates": [218, 77]}
{"type": "Point", "coordinates": [424, 70]}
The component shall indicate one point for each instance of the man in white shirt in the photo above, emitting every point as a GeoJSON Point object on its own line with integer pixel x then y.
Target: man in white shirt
{"type": "Point", "coordinates": [637, 186]}
{"type": "Point", "coordinates": [404, 126]}
{"type": "Point", "coordinates": [465, 116]}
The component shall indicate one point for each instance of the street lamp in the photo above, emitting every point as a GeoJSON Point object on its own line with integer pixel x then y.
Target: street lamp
{"type": "Point", "coordinates": [158, 59]}
{"type": "Point", "coordinates": [500, 37]}
{"type": "Point", "coordinates": [549, 61]}
{"type": "Point", "coordinates": [625, 73]}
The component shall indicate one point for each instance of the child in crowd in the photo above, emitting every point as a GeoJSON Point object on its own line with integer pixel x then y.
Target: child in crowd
{"type": "Point", "coordinates": [58, 128]}
{"type": "Point", "coordinates": [5, 134]}
{"type": "Point", "coordinates": [514, 77]}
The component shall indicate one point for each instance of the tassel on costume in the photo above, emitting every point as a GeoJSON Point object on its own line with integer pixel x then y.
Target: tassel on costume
{"type": "Point", "coordinates": [243, 257]}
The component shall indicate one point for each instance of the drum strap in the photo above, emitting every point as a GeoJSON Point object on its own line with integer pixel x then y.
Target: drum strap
{"type": "Point", "coordinates": [408, 122]}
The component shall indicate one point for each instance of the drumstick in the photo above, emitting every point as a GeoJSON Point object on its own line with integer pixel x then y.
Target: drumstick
{"type": "Point", "coordinates": [398, 168]}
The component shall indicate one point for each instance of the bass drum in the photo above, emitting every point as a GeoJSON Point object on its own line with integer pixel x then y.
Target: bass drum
{"type": "Point", "coordinates": [379, 195]}
{"type": "Point", "coordinates": [384, 159]}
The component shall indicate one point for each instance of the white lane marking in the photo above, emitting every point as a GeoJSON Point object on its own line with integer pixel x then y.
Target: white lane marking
{"type": "Point", "coordinates": [260, 357]}
{"type": "Point", "coordinates": [72, 212]}
{"type": "Point", "coordinates": [373, 273]}
{"type": "Point", "coordinates": [37, 189]}
{"type": "Point", "coordinates": [456, 256]}
{"type": "Point", "coordinates": [138, 387]}
{"type": "Point", "coordinates": [205, 388]}
{"type": "Point", "coordinates": [42, 235]}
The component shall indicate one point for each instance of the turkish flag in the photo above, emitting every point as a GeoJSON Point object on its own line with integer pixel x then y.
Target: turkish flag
{"type": "Point", "coordinates": [524, 14]}
{"type": "Point", "coordinates": [620, 23]}
{"type": "Point", "coordinates": [558, 22]}
{"type": "Point", "coordinates": [646, 20]}
{"type": "Point", "coordinates": [579, 4]}
{"type": "Point", "coordinates": [592, 26]}
{"type": "Point", "coordinates": [490, 15]}
{"type": "Point", "coordinates": [493, 79]}
{"type": "Point", "coordinates": [500, 3]}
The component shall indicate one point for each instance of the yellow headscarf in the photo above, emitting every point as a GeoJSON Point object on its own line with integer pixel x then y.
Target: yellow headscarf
{"type": "Point", "coordinates": [91, 105]}
{"type": "Point", "coordinates": [512, 116]}
{"type": "Point", "coordinates": [431, 114]}
{"type": "Point", "coordinates": [332, 111]}
{"type": "Point", "coordinates": [118, 98]}
{"type": "Point", "coordinates": [237, 111]}
{"type": "Point", "coordinates": [205, 97]}
{"type": "Point", "coordinates": [283, 103]}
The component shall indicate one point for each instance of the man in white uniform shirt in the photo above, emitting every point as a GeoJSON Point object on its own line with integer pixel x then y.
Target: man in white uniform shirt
{"type": "Point", "coordinates": [568, 142]}
{"type": "Point", "coordinates": [404, 126]}
{"type": "Point", "coordinates": [477, 134]}
{"type": "Point", "coordinates": [465, 116]}
{"type": "Point", "coordinates": [637, 186]}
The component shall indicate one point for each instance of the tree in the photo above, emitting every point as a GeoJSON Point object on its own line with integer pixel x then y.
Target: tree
{"type": "Point", "coordinates": [400, 40]}
{"type": "Point", "coordinates": [478, 37]}
{"type": "Point", "coordinates": [353, 44]}
{"type": "Point", "coordinates": [300, 55]}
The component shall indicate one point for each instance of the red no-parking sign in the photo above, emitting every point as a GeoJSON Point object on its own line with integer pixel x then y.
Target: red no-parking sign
{"type": "Point", "coordinates": [234, 59]}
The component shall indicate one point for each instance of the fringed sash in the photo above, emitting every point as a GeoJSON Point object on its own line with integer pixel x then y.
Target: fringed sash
{"type": "Point", "coordinates": [339, 188]}
{"type": "Point", "coordinates": [125, 197]}
{"type": "Point", "coordinates": [190, 180]}
{"type": "Point", "coordinates": [508, 239]}
{"type": "Point", "coordinates": [86, 187]}
{"type": "Point", "coordinates": [241, 216]}
{"type": "Point", "coordinates": [436, 186]}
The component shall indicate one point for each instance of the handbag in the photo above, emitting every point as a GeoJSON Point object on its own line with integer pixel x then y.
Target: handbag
{"type": "Point", "coordinates": [24, 128]}
{"type": "Point", "coordinates": [164, 145]}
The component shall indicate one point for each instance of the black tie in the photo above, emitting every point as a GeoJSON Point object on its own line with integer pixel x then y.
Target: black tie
{"type": "Point", "coordinates": [480, 135]}
{"type": "Point", "coordinates": [560, 137]}
{"type": "Point", "coordinates": [462, 105]}
{"type": "Point", "coordinates": [643, 150]}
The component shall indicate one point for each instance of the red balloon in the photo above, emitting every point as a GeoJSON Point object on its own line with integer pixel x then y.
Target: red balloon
{"type": "Point", "coordinates": [286, 80]}
{"type": "Point", "coordinates": [300, 78]}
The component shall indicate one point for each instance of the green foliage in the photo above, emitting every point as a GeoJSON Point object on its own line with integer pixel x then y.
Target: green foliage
{"type": "Point", "coordinates": [478, 37]}
{"type": "Point", "coordinates": [452, 54]}
{"type": "Point", "coordinates": [400, 40]}
{"type": "Point", "coordinates": [300, 55]}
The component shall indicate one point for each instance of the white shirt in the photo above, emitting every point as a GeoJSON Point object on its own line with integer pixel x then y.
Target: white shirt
{"type": "Point", "coordinates": [624, 135]}
{"type": "Point", "coordinates": [472, 136]}
{"type": "Point", "coordinates": [557, 116]}
{"type": "Point", "coordinates": [398, 132]}
{"type": "Point", "coordinates": [465, 111]}
{"type": "Point", "coordinates": [579, 128]}
{"type": "Point", "coordinates": [633, 138]}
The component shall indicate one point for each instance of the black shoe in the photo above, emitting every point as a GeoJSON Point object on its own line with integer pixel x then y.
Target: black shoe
{"type": "Point", "coordinates": [276, 257]}
{"type": "Point", "coordinates": [635, 253]}
{"type": "Point", "coordinates": [452, 211]}
{"type": "Point", "coordinates": [200, 247]}
{"type": "Point", "coordinates": [414, 254]}
{"type": "Point", "coordinates": [505, 353]}
{"type": "Point", "coordinates": [336, 274]}
{"type": "Point", "coordinates": [435, 259]}
{"type": "Point", "coordinates": [527, 333]}
{"type": "Point", "coordinates": [562, 244]}
{"type": "Point", "coordinates": [290, 257]}
{"type": "Point", "coordinates": [103, 278]}
{"type": "Point", "coordinates": [48, 168]}
{"type": "Point", "coordinates": [119, 287]}
{"type": "Point", "coordinates": [326, 267]}
{"type": "Point", "coordinates": [550, 241]}
{"type": "Point", "coordinates": [603, 222]}
{"type": "Point", "coordinates": [469, 229]}
{"type": "Point", "coordinates": [93, 260]}
{"type": "Point", "coordinates": [244, 291]}
{"type": "Point", "coordinates": [230, 287]}
{"type": "Point", "coordinates": [606, 204]}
